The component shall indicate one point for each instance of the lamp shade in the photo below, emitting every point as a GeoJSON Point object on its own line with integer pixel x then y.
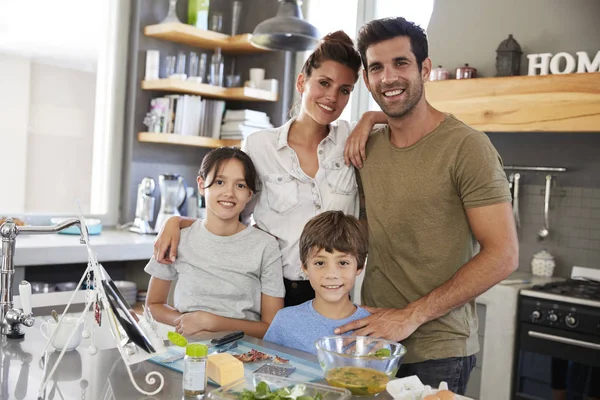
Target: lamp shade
{"type": "Point", "coordinates": [287, 31]}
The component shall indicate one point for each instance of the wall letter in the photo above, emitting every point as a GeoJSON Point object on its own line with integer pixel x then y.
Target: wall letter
{"type": "Point", "coordinates": [542, 64]}
{"type": "Point", "coordinates": [584, 64]}
{"type": "Point", "coordinates": [555, 63]}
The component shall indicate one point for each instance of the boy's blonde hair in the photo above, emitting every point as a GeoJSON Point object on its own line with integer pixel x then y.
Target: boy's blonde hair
{"type": "Point", "coordinates": [334, 230]}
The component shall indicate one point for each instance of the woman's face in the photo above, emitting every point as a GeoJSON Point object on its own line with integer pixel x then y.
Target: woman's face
{"type": "Point", "coordinates": [326, 91]}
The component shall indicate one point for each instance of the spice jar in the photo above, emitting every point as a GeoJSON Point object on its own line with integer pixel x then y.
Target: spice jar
{"type": "Point", "coordinates": [439, 74]}
{"type": "Point", "coordinates": [194, 370]}
{"type": "Point", "coordinates": [466, 72]}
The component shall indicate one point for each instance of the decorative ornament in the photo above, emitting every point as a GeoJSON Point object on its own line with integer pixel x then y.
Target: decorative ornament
{"type": "Point", "coordinates": [508, 57]}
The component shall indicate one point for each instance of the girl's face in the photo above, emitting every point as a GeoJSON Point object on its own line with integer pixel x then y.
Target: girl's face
{"type": "Point", "coordinates": [226, 192]}
{"type": "Point", "coordinates": [326, 91]}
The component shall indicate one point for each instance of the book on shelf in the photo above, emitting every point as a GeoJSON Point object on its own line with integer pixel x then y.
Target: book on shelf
{"type": "Point", "coordinates": [186, 115]}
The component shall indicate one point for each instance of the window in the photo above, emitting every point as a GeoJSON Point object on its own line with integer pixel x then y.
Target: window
{"type": "Point", "coordinates": [349, 16]}
{"type": "Point", "coordinates": [61, 107]}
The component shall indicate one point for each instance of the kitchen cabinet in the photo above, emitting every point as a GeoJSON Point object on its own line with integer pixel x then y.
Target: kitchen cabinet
{"type": "Point", "coordinates": [548, 103]}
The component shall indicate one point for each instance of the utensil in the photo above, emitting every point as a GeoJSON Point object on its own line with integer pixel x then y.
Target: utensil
{"type": "Point", "coordinates": [54, 315]}
{"type": "Point", "coordinates": [515, 188]}
{"type": "Point", "coordinates": [545, 231]}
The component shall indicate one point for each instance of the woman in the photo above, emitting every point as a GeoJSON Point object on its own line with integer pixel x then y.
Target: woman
{"type": "Point", "coordinates": [301, 164]}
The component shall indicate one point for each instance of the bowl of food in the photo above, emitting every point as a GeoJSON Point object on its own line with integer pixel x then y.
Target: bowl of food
{"type": "Point", "coordinates": [271, 387]}
{"type": "Point", "coordinates": [361, 364]}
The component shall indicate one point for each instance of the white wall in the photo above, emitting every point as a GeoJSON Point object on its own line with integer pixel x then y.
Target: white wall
{"type": "Point", "coordinates": [14, 114]}
{"type": "Point", "coordinates": [59, 150]}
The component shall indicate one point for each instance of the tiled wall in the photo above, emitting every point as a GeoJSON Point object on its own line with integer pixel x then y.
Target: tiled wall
{"type": "Point", "coordinates": [574, 224]}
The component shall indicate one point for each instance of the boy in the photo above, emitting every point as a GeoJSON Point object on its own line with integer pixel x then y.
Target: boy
{"type": "Point", "coordinates": [333, 249]}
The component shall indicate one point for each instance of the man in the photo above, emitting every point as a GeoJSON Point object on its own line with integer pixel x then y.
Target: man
{"type": "Point", "coordinates": [435, 191]}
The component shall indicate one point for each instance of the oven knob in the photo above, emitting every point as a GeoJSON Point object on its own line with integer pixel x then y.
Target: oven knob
{"type": "Point", "coordinates": [535, 316]}
{"type": "Point", "coordinates": [571, 321]}
{"type": "Point", "coordinates": [552, 317]}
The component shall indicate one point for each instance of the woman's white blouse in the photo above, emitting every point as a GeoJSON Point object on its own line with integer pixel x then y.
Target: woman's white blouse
{"type": "Point", "coordinates": [287, 198]}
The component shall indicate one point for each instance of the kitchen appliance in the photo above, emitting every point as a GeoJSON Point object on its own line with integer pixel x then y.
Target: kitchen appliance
{"type": "Point", "coordinates": [439, 74]}
{"type": "Point", "coordinates": [144, 208]}
{"type": "Point", "coordinates": [173, 190]}
{"type": "Point", "coordinates": [558, 343]}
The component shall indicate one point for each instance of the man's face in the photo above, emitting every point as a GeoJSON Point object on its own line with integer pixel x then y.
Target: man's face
{"type": "Point", "coordinates": [393, 76]}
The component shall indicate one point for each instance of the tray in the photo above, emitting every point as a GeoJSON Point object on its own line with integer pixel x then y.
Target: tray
{"type": "Point", "coordinates": [306, 371]}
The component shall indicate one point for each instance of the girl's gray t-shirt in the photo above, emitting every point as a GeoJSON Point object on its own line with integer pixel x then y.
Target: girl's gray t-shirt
{"type": "Point", "coordinates": [223, 275]}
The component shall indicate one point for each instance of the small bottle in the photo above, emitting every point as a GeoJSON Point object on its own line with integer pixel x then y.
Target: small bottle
{"type": "Point", "coordinates": [194, 370]}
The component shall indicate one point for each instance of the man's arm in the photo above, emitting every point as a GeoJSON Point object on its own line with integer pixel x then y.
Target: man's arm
{"type": "Point", "coordinates": [494, 229]}
{"type": "Point", "coordinates": [156, 301]}
{"type": "Point", "coordinates": [197, 321]}
{"type": "Point", "coordinates": [168, 239]}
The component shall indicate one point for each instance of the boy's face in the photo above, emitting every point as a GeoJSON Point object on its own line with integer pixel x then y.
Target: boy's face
{"type": "Point", "coordinates": [331, 275]}
{"type": "Point", "coordinates": [226, 192]}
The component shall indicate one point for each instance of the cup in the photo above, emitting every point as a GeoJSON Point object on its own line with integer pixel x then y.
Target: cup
{"type": "Point", "coordinates": [60, 340]}
{"type": "Point", "coordinates": [170, 66]}
{"type": "Point", "coordinates": [216, 22]}
{"type": "Point", "coordinates": [257, 75]}
{"type": "Point", "coordinates": [233, 80]}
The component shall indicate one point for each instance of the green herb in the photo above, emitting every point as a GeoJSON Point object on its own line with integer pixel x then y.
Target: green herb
{"type": "Point", "coordinates": [382, 353]}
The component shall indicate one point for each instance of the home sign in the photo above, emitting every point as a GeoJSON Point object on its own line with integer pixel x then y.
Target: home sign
{"type": "Point", "coordinates": [562, 63]}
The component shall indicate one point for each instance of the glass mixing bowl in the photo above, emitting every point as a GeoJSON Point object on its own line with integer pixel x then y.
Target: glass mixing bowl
{"type": "Point", "coordinates": [361, 364]}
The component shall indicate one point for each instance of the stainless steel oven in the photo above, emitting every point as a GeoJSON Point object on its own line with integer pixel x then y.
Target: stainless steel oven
{"type": "Point", "coordinates": [558, 343]}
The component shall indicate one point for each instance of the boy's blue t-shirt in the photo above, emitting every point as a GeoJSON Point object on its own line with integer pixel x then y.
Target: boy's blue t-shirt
{"type": "Point", "coordinates": [299, 327]}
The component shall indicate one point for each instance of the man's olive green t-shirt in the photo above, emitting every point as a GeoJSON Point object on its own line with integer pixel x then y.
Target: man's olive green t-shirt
{"type": "Point", "coordinates": [419, 234]}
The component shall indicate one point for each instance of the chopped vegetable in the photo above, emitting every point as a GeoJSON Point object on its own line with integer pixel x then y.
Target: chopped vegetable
{"type": "Point", "coordinates": [262, 392]}
{"type": "Point", "coordinates": [382, 353]}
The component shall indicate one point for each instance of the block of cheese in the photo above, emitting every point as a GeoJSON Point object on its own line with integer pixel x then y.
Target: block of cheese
{"type": "Point", "coordinates": [224, 368]}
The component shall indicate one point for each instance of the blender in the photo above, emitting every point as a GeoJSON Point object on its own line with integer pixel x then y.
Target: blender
{"type": "Point", "coordinates": [172, 197]}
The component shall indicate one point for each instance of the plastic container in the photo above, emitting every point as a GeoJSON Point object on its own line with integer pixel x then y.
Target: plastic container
{"type": "Point", "coordinates": [352, 362]}
{"type": "Point", "coordinates": [234, 389]}
{"type": "Point", "coordinates": [543, 264]}
{"type": "Point", "coordinates": [194, 370]}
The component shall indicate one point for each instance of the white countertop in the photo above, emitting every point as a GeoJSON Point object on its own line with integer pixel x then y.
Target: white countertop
{"type": "Point", "coordinates": [55, 248]}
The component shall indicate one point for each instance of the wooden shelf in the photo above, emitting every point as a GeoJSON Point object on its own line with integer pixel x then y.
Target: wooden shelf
{"type": "Point", "coordinates": [190, 35]}
{"type": "Point", "coordinates": [185, 140]}
{"type": "Point", "coordinates": [548, 103]}
{"type": "Point", "coordinates": [203, 89]}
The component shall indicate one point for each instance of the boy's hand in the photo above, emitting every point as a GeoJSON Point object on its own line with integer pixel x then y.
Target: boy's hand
{"type": "Point", "coordinates": [194, 322]}
{"type": "Point", "coordinates": [165, 245]}
{"type": "Point", "coordinates": [386, 323]}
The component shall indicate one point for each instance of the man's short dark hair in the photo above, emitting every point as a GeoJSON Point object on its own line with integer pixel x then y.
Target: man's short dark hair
{"type": "Point", "coordinates": [383, 29]}
{"type": "Point", "coordinates": [334, 230]}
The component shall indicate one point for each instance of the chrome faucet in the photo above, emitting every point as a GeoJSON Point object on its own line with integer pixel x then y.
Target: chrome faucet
{"type": "Point", "coordinates": [11, 318]}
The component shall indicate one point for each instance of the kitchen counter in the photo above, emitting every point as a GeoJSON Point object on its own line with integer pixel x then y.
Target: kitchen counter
{"type": "Point", "coordinates": [100, 376]}
{"type": "Point", "coordinates": [500, 333]}
{"type": "Point", "coordinates": [110, 245]}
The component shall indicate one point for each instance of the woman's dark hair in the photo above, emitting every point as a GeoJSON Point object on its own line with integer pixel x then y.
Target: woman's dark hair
{"type": "Point", "coordinates": [336, 46]}
{"type": "Point", "coordinates": [215, 158]}
{"type": "Point", "coordinates": [383, 29]}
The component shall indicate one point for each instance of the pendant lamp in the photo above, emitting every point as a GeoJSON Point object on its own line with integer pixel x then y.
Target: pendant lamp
{"type": "Point", "coordinates": [287, 31]}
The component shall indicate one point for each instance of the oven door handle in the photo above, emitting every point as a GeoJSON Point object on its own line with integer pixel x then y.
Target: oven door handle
{"type": "Point", "coordinates": [559, 339]}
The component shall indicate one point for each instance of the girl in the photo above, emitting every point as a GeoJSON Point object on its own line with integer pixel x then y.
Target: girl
{"type": "Point", "coordinates": [301, 164]}
{"type": "Point", "coordinates": [229, 275]}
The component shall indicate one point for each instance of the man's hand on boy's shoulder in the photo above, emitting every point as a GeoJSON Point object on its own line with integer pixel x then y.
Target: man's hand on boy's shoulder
{"type": "Point", "coordinates": [387, 323]}
{"type": "Point", "coordinates": [194, 322]}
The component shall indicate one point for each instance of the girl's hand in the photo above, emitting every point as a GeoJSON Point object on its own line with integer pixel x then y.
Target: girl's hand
{"type": "Point", "coordinates": [193, 322]}
{"type": "Point", "coordinates": [165, 245]}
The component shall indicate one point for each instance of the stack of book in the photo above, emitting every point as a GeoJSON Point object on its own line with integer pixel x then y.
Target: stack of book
{"type": "Point", "coordinates": [238, 124]}
{"type": "Point", "coordinates": [187, 115]}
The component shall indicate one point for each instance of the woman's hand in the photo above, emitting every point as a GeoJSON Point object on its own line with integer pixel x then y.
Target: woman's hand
{"type": "Point", "coordinates": [165, 245]}
{"type": "Point", "coordinates": [194, 322]}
